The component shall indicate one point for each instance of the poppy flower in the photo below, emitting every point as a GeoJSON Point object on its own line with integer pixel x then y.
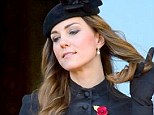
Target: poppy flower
{"type": "Point", "coordinates": [101, 110]}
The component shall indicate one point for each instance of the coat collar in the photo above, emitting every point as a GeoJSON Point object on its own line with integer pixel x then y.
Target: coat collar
{"type": "Point", "coordinates": [100, 89]}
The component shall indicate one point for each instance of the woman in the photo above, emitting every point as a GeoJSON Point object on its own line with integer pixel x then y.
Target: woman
{"type": "Point", "coordinates": [78, 71]}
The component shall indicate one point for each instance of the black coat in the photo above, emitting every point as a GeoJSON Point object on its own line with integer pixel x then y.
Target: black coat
{"type": "Point", "coordinates": [83, 100]}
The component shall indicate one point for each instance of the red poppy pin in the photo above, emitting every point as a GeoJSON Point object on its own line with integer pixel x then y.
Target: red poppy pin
{"type": "Point", "coordinates": [101, 110]}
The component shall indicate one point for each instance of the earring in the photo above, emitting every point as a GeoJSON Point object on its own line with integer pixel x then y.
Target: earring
{"type": "Point", "coordinates": [98, 51]}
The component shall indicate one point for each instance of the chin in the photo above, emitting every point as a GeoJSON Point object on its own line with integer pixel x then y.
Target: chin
{"type": "Point", "coordinates": [71, 68]}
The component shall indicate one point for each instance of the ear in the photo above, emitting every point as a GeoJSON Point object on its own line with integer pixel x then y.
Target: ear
{"type": "Point", "coordinates": [100, 41]}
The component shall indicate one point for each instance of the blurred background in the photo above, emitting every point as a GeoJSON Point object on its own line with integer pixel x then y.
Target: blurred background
{"type": "Point", "coordinates": [21, 41]}
{"type": "Point", "coordinates": [135, 18]}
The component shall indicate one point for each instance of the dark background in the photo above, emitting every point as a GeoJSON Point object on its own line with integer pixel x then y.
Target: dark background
{"type": "Point", "coordinates": [21, 43]}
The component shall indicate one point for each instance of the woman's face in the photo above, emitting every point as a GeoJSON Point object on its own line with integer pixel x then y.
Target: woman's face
{"type": "Point", "coordinates": [74, 44]}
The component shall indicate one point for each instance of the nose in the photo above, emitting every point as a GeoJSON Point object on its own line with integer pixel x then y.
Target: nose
{"type": "Point", "coordinates": [64, 43]}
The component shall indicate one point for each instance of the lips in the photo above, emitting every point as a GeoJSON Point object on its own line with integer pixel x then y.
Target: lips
{"type": "Point", "coordinates": [68, 54]}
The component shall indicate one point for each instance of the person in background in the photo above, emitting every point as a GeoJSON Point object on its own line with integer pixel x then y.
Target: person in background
{"type": "Point", "coordinates": [78, 75]}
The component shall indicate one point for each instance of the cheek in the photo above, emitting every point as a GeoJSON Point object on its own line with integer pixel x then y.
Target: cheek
{"type": "Point", "coordinates": [56, 52]}
{"type": "Point", "coordinates": [87, 41]}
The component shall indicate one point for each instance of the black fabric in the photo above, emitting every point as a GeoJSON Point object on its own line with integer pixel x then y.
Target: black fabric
{"type": "Point", "coordinates": [65, 10]}
{"type": "Point", "coordinates": [30, 104]}
{"type": "Point", "coordinates": [103, 94]}
{"type": "Point", "coordinates": [142, 86]}
{"type": "Point", "coordinates": [82, 101]}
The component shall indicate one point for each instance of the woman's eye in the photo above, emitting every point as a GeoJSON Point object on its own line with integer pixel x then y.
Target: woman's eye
{"type": "Point", "coordinates": [73, 32]}
{"type": "Point", "coordinates": [55, 39]}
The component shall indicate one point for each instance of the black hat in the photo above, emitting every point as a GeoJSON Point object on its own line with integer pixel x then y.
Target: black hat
{"type": "Point", "coordinates": [68, 9]}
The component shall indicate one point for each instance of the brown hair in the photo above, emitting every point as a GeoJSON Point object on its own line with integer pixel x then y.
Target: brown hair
{"type": "Point", "coordinates": [54, 93]}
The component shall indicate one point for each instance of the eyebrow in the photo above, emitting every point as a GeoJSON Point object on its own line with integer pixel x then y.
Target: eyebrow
{"type": "Point", "coordinates": [67, 26]}
{"type": "Point", "coordinates": [70, 25]}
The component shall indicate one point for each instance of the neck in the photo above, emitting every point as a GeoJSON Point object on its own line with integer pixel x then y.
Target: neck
{"type": "Point", "coordinates": [88, 77]}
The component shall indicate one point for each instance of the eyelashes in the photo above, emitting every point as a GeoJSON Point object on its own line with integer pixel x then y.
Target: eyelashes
{"type": "Point", "coordinates": [71, 33]}
{"type": "Point", "coordinates": [55, 39]}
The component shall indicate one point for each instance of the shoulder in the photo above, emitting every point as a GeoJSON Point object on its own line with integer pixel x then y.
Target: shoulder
{"type": "Point", "coordinates": [30, 104]}
{"type": "Point", "coordinates": [119, 102]}
{"type": "Point", "coordinates": [118, 96]}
